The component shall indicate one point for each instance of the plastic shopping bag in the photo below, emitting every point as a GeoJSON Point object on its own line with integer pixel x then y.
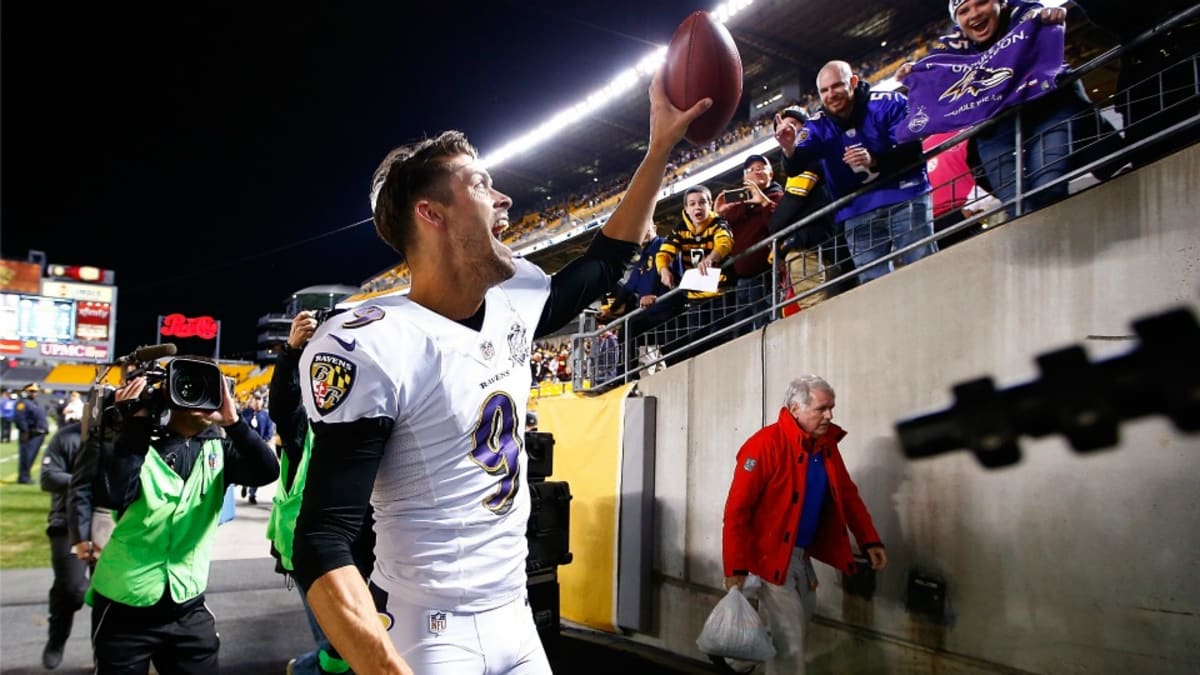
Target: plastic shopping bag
{"type": "Point", "coordinates": [734, 630]}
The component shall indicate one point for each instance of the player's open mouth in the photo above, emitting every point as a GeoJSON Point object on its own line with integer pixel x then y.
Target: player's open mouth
{"type": "Point", "coordinates": [978, 26]}
{"type": "Point", "coordinates": [500, 226]}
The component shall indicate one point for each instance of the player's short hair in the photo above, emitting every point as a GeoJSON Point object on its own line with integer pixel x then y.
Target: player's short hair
{"type": "Point", "coordinates": [697, 190]}
{"type": "Point", "coordinates": [409, 173]}
{"type": "Point", "coordinates": [800, 390]}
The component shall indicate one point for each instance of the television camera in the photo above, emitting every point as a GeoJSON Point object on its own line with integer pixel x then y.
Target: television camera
{"type": "Point", "coordinates": [184, 383]}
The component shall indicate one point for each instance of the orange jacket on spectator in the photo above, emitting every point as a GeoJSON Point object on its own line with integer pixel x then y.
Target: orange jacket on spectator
{"type": "Point", "coordinates": [762, 511]}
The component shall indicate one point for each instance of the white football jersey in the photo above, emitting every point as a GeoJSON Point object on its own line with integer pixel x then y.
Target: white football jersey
{"type": "Point", "coordinates": [451, 498]}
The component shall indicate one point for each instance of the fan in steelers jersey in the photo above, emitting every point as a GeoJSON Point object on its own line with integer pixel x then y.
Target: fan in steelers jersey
{"type": "Point", "coordinates": [417, 405]}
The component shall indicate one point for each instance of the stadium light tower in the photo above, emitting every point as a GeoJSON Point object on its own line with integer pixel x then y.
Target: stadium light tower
{"type": "Point", "coordinates": [596, 100]}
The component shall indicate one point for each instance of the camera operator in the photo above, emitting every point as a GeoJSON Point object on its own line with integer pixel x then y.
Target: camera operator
{"type": "Point", "coordinates": [287, 411]}
{"type": "Point", "coordinates": [166, 487]}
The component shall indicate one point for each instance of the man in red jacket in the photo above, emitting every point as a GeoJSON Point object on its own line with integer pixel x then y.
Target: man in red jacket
{"type": "Point", "coordinates": [791, 500]}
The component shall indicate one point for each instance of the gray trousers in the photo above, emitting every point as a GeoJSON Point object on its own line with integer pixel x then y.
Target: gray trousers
{"type": "Point", "coordinates": [786, 609]}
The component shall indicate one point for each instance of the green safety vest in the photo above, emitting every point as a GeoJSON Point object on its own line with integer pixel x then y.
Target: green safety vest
{"type": "Point", "coordinates": [281, 526]}
{"type": "Point", "coordinates": [166, 534]}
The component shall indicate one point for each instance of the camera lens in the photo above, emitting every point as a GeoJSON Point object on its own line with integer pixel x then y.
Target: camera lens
{"type": "Point", "coordinates": [189, 390]}
{"type": "Point", "coordinates": [195, 384]}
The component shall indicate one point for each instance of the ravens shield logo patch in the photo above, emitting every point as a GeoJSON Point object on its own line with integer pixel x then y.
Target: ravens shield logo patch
{"type": "Point", "coordinates": [332, 377]}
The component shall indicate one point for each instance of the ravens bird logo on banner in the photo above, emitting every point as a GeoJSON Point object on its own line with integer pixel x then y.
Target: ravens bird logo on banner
{"type": "Point", "coordinates": [976, 81]}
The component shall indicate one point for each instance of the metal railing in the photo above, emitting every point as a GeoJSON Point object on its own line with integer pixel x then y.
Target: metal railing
{"type": "Point", "coordinates": [646, 342]}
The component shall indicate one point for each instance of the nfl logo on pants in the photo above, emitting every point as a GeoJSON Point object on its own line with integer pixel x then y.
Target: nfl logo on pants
{"type": "Point", "coordinates": [437, 622]}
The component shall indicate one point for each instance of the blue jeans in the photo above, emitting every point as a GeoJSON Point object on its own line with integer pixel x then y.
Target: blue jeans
{"type": "Point", "coordinates": [1046, 131]}
{"type": "Point", "coordinates": [874, 234]}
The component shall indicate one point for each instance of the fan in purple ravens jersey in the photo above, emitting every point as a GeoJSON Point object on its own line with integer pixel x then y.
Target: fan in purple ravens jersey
{"type": "Point", "coordinates": [418, 407]}
{"type": "Point", "coordinates": [852, 144]}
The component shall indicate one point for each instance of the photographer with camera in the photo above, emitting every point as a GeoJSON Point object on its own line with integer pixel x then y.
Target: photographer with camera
{"type": "Point", "coordinates": [748, 211]}
{"type": "Point", "coordinates": [166, 483]}
{"type": "Point", "coordinates": [90, 522]}
{"type": "Point", "coordinates": [287, 412]}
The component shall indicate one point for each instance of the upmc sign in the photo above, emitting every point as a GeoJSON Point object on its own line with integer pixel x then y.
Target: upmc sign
{"type": "Point", "coordinates": [74, 351]}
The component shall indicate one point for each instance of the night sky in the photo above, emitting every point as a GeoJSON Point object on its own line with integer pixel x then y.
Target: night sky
{"type": "Point", "coordinates": [214, 156]}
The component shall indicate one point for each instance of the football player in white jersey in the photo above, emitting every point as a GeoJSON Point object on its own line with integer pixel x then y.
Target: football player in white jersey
{"type": "Point", "coordinates": [418, 408]}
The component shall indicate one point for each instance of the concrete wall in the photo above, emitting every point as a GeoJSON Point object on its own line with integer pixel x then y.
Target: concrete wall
{"type": "Point", "coordinates": [1063, 563]}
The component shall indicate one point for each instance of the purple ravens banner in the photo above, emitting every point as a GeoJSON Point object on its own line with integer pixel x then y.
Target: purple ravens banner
{"type": "Point", "coordinates": [947, 92]}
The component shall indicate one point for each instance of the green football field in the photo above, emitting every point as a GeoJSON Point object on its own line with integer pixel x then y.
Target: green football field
{"type": "Point", "coordinates": [23, 510]}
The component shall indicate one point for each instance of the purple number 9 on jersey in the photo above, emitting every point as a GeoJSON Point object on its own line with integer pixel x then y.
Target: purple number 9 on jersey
{"type": "Point", "coordinates": [497, 449]}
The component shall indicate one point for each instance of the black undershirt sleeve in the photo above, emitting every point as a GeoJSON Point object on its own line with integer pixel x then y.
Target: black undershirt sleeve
{"type": "Point", "coordinates": [333, 512]}
{"type": "Point", "coordinates": [583, 280]}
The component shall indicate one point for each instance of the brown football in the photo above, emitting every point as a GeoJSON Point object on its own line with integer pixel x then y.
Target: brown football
{"type": "Point", "coordinates": [703, 62]}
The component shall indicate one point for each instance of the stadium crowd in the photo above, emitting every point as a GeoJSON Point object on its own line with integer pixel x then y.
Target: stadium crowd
{"type": "Point", "coordinates": [894, 193]}
{"type": "Point", "coordinates": [687, 159]}
{"type": "Point", "coordinates": [966, 181]}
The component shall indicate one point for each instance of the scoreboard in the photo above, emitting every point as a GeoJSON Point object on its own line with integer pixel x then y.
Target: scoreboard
{"type": "Point", "coordinates": [65, 321]}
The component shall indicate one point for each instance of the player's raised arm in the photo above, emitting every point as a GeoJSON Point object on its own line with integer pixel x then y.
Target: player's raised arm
{"type": "Point", "coordinates": [667, 126]}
